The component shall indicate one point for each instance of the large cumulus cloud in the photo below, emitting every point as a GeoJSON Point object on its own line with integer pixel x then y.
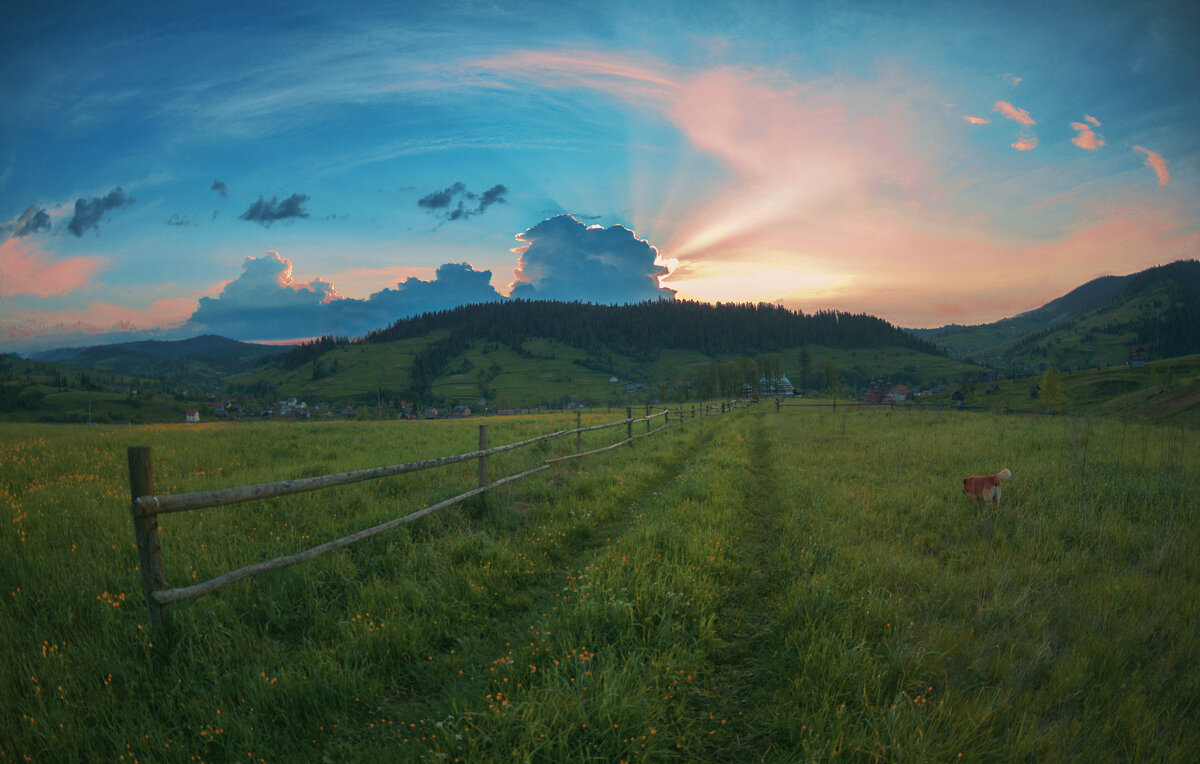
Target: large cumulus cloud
{"type": "Point", "coordinates": [265, 303]}
{"type": "Point", "coordinates": [562, 259]}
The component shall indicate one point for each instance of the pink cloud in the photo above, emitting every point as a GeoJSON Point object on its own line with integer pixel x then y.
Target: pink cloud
{"type": "Point", "coordinates": [1014, 113]}
{"type": "Point", "coordinates": [1087, 138]}
{"type": "Point", "coordinates": [830, 199]}
{"type": "Point", "coordinates": [25, 269]}
{"type": "Point", "coordinates": [1092, 119]}
{"type": "Point", "coordinates": [1156, 161]}
{"type": "Point", "coordinates": [976, 120]}
{"type": "Point", "coordinates": [1013, 81]}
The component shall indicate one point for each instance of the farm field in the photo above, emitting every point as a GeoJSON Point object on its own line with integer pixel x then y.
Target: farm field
{"type": "Point", "coordinates": [778, 585]}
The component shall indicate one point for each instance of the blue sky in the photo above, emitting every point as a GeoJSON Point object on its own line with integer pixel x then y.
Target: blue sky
{"type": "Point", "coordinates": [270, 171]}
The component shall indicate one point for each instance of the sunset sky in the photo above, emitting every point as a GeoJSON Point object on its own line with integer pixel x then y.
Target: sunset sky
{"type": "Point", "coordinates": [285, 170]}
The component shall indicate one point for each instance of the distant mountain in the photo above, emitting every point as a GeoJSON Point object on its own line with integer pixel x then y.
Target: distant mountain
{"type": "Point", "coordinates": [1094, 323]}
{"type": "Point", "coordinates": [202, 357]}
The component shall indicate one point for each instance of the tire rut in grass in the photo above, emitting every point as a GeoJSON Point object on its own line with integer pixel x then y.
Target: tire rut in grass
{"type": "Point", "coordinates": [745, 670]}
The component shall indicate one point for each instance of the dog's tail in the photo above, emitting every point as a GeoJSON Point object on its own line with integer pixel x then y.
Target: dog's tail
{"type": "Point", "coordinates": [1004, 475]}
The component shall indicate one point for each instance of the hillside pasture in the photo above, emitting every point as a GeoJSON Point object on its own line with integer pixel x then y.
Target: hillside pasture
{"type": "Point", "coordinates": [784, 585]}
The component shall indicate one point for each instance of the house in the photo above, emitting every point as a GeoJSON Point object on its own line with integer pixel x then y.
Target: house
{"type": "Point", "coordinates": [993, 388]}
{"type": "Point", "coordinates": [460, 411]}
{"type": "Point", "coordinates": [612, 380]}
{"type": "Point", "coordinates": [219, 409]}
{"type": "Point", "coordinates": [1138, 355]}
{"type": "Point", "coordinates": [784, 386]}
{"type": "Point", "coordinates": [900, 393]}
{"type": "Point", "coordinates": [192, 415]}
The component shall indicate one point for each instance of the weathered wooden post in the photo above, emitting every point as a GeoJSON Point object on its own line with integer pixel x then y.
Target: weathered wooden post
{"type": "Point", "coordinates": [483, 460]}
{"type": "Point", "coordinates": [629, 423]}
{"type": "Point", "coordinates": [647, 418]}
{"type": "Point", "coordinates": [579, 432]}
{"type": "Point", "coordinates": [145, 531]}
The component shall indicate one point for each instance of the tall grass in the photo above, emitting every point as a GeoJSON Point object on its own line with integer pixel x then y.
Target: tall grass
{"type": "Point", "coordinates": [779, 585]}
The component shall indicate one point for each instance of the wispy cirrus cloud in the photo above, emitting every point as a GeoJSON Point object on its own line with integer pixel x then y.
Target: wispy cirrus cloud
{"type": "Point", "coordinates": [1155, 161]}
{"type": "Point", "coordinates": [1014, 113]}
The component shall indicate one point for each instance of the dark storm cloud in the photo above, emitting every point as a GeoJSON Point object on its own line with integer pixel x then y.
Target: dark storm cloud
{"type": "Point", "coordinates": [31, 221]}
{"type": "Point", "coordinates": [89, 212]}
{"type": "Point", "coordinates": [265, 213]}
{"type": "Point", "coordinates": [220, 187]}
{"type": "Point", "coordinates": [565, 260]}
{"type": "Point", "coordinates": [452, 202]}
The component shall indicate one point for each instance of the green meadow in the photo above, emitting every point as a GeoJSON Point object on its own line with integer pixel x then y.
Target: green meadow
{"type": "Point", "coordinates": [777, 585]}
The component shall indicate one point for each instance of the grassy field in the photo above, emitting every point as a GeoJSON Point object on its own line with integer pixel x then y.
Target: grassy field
{"type": "Point", "coordinates": [780, 585]}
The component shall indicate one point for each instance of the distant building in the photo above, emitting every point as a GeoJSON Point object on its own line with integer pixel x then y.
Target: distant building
{"type": "Point", "coordinates": [192, 415]}
{"type": "Point", "coordinates": [1138, 355]}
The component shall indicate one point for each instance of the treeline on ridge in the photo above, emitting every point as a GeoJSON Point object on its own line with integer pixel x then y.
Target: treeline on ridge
{"type": "Point", "coordinates": [644, 328]}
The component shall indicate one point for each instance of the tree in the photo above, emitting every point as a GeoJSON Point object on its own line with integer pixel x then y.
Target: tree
{"type": "Point", "coordinates": [1051, 391]}
{"type": "Point", "coordinates": [833, 384]}
{"type": "Point", "coordinates": [805, 369]}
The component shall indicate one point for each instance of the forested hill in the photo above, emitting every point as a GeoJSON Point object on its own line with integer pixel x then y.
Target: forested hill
{"type": "Point", "coordinates": [646, 327]}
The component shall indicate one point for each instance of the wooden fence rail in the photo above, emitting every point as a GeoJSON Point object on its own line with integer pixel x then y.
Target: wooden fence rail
{"type": "Point", "coordinates": [146, 505]}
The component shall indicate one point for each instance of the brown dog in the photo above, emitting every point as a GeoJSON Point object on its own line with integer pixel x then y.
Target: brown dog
{"type": "Point", "coordinates": [986, 487]}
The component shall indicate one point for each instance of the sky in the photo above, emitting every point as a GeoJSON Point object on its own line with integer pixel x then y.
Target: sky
{"type": "Point", "coordinates": [271, 172]}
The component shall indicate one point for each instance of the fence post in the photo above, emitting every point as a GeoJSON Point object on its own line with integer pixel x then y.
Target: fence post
{"type": "Point", "coordinates": [579, 435]}
{"type": "Point", "coordinates": [647, 418]}
{"type": "Point", "coordinates": [835, 405]}
{"type": "Point", "coordinates": [483, 460]}
{"type": "Point", "coordinates": [629, 423]}
{"type": "Point", "coordinates": [145, 531]}
{"type": "Point", "coordinates": [693, 411]}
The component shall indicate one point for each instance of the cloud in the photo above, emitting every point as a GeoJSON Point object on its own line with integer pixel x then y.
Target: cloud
{"type": "Point", "coordinates": [89, 212]}
{"type": "Point", "coordinates": [562, 259]}
{"type": "Point", "coordinates": [31, 221]}
{"type": "Point", "coordinates": [1026, 143]}
{"type": "Point", "coordinates": [1087, 138]}
{"type": "Point", "coordinates": [976, 120]}
{"type": "Point", "coordinates": [180, 220]}
{"type": "Point", "coordinates": [265, 213]}
{"type": "Point", "coordinates": [265, 302]}
{"type": "Point", "coordinates": [453, 201]}
{"type": "Point", "coordinates": [1092, 119]}
{"type": "Point", "coordinates": [1014, 113]}
{"type": "Point", "coordinates": [1156, 161]}
{"type": "Point", "coordinates": [1013, 81]}
{"type": "Point", "coordinates": [220, 187]}
{"type": "Point", "coordinates": [26, 270]}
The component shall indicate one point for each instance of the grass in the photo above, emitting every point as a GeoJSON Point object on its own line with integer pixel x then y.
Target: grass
{"type": "Point", "coordinates": [768, 585]}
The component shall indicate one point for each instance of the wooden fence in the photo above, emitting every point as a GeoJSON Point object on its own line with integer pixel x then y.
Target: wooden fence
{"type": "Point", "coordinates": [146, 506]}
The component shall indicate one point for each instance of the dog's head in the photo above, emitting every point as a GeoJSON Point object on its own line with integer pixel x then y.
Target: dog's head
{"type": "Point", "coordinates": [1004, 475]}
